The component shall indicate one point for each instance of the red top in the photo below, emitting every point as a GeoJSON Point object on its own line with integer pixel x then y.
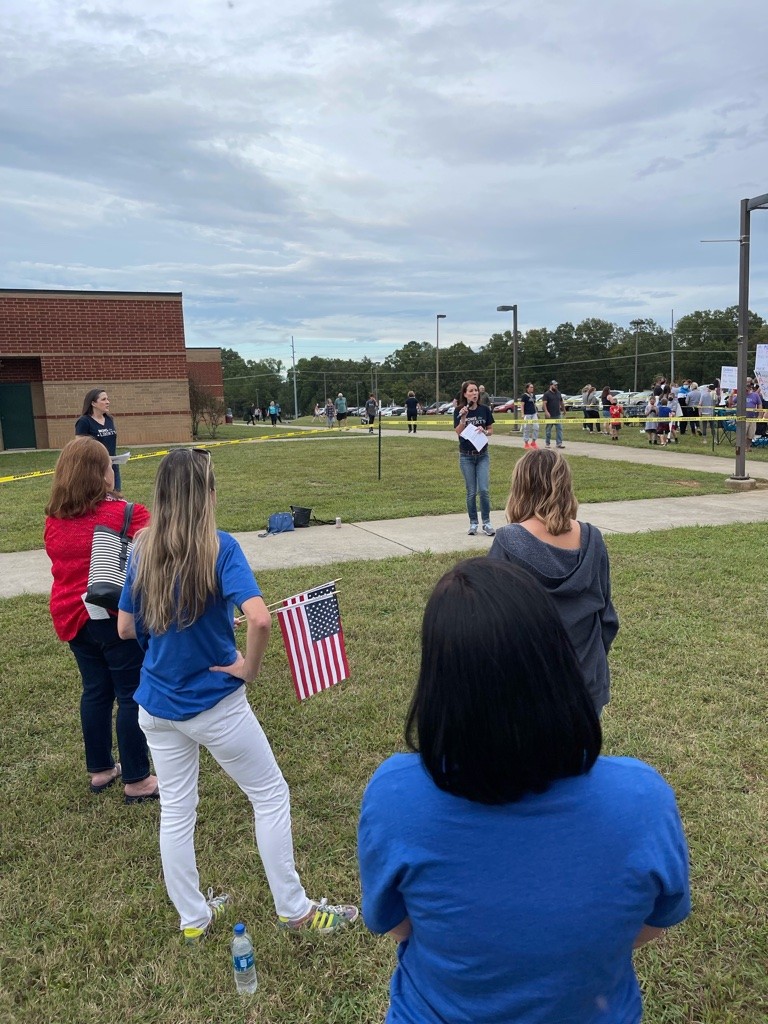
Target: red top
{"type": "Point", "coordinates": [68, 545]}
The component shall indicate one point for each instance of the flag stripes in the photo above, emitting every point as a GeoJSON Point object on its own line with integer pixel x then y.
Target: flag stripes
{"type": "Point", "coordinates": [314, 640]}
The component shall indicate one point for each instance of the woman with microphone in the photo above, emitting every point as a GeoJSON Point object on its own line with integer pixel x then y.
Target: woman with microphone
{"type": "Point", "coordinates": [474, 459]}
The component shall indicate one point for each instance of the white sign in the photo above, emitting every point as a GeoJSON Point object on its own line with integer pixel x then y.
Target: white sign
{"type": "Point", "coordinates": [728, 377]}
{"type": "Point", "coordinates": [761, 369]}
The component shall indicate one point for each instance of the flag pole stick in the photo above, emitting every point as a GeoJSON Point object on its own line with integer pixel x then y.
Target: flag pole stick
{"type": "Point", "coordinates": [277, 604]}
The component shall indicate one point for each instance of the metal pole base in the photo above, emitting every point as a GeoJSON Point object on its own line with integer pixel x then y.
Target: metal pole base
{"type": "Point", "coordinates": [740, 483]}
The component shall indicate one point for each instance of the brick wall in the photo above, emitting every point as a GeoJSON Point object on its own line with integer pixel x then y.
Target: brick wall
{"type": "Point", "coordinates": [131, 344]}
{"type": "Point", "coordinates": [20, 371]}
{"type": "Point", "coordinates": [204, 366]}
{"type": "Point", "coordinates": [145, 412]}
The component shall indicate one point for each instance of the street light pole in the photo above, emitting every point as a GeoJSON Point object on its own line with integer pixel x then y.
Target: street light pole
{"type": "Point", "coordinates": [747, 205]}
{"type": "Point", "coordinates": [295, 399]}
{"type": "Point", "coordinates": [438, 318]}
{"type": "Point", "coordinates": [513, 311]}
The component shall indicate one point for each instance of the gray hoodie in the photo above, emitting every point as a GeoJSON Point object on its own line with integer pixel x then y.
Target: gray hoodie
{"type": "Point", "coordinates": [580, 584]}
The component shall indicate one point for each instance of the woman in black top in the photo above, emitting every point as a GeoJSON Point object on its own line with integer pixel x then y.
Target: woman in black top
{"type": "Point", "coordinates": [95, 421]}
{"type": "Point", "coordinates": [411, 411]}
{"type": "Point", "coordinates": [474, 463]}
{"type": "Point", "coordinates": [605, 407]}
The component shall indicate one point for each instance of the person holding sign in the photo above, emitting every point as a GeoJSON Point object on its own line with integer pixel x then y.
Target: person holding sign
{"type": "Point", "coordinates": [473, 423]}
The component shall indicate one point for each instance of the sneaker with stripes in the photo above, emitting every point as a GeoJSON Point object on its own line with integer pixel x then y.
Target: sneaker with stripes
{"type": "Point", "coordinates": [217, 906]}
{"type": "Point", "coordinates": [323, 918]}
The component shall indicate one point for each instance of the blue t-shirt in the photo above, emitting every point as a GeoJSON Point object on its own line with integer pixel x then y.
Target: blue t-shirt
{"type": "Point", "coordinates": [524, 912]}
{"type": "Point", "coordinates": [176, 681]}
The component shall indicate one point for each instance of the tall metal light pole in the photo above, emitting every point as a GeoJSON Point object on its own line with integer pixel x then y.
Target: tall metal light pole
{"type": "Point", "coordinates": [295, 399]}
{"type": "Point", "coordinates": [438, 318]}
{"type": "Point", "coordinates": [637, 324]}
{"type": "Point", "coordinates": [747, 205]}
{"type": "Point", "coordinates": [513, 311]}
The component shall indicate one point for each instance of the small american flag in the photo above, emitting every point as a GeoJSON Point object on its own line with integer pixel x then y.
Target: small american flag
{"type": "Point", "coordinates": [314, 641]}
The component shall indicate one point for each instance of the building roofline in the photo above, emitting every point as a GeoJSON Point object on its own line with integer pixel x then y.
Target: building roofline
{"type": "Point", "coordinates": [89, 294]}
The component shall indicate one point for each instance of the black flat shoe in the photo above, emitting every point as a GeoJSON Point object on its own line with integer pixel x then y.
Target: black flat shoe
{"type": "Point", "coordinates": [106, 785]}
{"type": "Point", "coordinates": [143, 799]}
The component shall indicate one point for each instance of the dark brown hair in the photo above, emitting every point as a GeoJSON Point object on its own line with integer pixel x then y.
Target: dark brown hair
{"type": "Point", "coordinates": [90, 398]}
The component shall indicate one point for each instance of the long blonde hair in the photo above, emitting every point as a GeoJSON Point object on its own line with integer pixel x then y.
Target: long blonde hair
{"type": "Point", "coordinates": [542, 488]}
{"type": "Point", "coordinates": [79, 482]}
{"type": "Point", "coordinates": [176, 555]}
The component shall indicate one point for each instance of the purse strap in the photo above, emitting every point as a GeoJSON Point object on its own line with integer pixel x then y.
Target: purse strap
{"type": "Point", "coordinates": [127, 516]}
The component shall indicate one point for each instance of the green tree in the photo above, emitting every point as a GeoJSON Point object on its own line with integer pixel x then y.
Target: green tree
{"type": "Point", "coordinates": [536, 361]}
{"type": "Point", "coordinates": [458, 363]}
{"type": "Point", "coordinates": [707, 340]}
{"type": "Point", "coordinates": [248, 382]}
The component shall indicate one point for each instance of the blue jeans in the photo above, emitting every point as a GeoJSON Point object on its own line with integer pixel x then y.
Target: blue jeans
{"type": "Point", "coordinates": [530, 428]}
{"type": "Point", "coordinates": [110, 670]}
{"type": "Point", "coordinates": [558, 432]}
{"type": "Point", "coordinates": [476, 470]}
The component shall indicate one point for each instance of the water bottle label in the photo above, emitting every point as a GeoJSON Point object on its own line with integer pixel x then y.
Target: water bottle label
{"type": "Point", "coordinates": [243, 963]}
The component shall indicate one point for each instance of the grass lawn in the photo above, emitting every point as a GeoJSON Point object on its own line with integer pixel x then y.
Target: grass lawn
{"type": "Point", "coordinates": [334, 475]}
{"type": "Point", "coordinates": [89, 936]}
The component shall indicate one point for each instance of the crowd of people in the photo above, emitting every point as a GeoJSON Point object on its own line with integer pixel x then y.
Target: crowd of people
{"type": "Point", "coordinates": [671, 409]}
{"type": "Point", "coordinates": [516, 866]}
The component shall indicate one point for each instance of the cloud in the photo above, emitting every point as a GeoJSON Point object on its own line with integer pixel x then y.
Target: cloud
{"type": "Point", "coordinates": [350, 168]}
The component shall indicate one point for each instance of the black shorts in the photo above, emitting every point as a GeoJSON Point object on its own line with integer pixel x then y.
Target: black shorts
{"type": "Point", "coordinates": [341, 416]}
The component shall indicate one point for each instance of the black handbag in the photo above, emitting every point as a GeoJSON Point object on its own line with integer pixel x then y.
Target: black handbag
{"type": "Point", "coordinates": [109, 560]}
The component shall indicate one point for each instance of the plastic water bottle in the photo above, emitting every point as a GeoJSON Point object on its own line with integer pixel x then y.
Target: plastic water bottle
{"type": "Point", "coordinates": [243, 964]}
{"type": "Point", "coordinates": [338, 522]}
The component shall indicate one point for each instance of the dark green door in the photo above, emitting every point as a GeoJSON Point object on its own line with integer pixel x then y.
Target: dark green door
{"type": "Point", "coordinates": [16, 416]}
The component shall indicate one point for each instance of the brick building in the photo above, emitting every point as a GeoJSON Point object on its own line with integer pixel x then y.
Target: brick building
{"type": "Point", "coordinates": [56, 345]}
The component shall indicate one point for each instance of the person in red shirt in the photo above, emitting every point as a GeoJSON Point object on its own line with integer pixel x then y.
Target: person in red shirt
{"type": "Point", "coordinates": [615, 414]}
{"type": "Point", "coordinates": [81, 499]}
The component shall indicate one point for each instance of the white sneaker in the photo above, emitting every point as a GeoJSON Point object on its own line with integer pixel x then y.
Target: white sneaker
{"type": "Point", "coordinates": [488, 530]}
{"type": "Point", "coordinates": [472, 529]}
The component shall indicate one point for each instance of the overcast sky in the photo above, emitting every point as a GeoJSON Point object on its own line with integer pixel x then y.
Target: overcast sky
{"type": "Point", "coordinates": [343, 170]}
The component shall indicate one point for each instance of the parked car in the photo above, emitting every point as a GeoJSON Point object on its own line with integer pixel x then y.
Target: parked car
{"type": "Point", "coordinates": [639, 396]}
{"type": "Point", "coordinates": [392, 410]}
{"type": "Point", "coordinates": [432, 409]}
{"type": "Point", "coordinates": [635, 407]}
{"type": "Point", "coordinates": [446, 407]}
{"type": "Point", "coordinates": [573, 403]}
{"type": "Point", "coordinates": [508, 406]}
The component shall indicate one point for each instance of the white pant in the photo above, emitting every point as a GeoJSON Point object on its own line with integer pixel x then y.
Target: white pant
{"type": "Point", "coordinates": [232, 734]}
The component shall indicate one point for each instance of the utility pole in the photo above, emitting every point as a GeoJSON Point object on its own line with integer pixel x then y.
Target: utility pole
{"type": "Point", "coordinates": [438, 318]}
{"type": "Point", "coordinates": [295, 399]}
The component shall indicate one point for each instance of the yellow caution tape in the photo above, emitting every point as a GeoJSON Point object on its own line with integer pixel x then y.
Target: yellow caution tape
{"type": "Point", "coordinates": [164, 451]}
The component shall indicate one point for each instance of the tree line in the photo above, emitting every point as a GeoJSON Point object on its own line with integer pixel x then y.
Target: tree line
{"type": "Point", "coordinates": [594, 351]}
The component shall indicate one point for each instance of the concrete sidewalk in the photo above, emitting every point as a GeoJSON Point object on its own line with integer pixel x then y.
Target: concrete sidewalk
{"type": "Point", "coordinates": [29, 571]}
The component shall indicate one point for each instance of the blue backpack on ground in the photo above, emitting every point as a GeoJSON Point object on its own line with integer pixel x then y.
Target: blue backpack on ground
{"type": "Point", "coordinates": [279, 522]}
